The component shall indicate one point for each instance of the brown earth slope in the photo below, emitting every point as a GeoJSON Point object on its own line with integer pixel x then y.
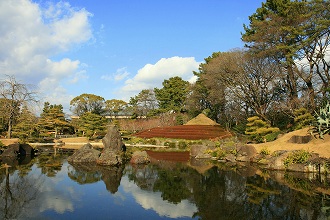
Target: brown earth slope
{"type": "Point", "coordinates": [316, 145]}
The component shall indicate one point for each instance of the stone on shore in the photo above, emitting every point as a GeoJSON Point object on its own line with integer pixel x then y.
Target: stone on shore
{"type": "Point", "coordinates": [110, 157]}
{"type": "Point", "coordinates": [112, 140]}
{"type": "Point", "coordinates": [113, 147]}
{"type": "Point", "coordinates": [86, 154]}
{"type": "Point", "coordinates": [140, 157]}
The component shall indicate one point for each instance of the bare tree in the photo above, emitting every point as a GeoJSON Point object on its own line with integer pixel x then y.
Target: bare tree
{"type": "Point", "coordinates": [14, 95]}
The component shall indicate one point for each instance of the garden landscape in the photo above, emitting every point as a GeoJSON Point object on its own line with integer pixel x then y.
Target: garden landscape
{"type": "Point", "coordinates": [248, 139]}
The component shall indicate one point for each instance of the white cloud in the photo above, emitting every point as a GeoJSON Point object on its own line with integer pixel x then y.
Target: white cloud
{"type": "Point", "coordinates": [120, 74]}
{"type": "Point", "coordinates": [152, 75]}
{"type": "Point", "coordinates": [31, 35]}
{"type": "Point", "coordinates": [154, 201]}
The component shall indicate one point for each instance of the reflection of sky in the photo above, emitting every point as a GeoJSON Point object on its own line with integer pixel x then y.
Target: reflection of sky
{"type": "Point", "coordinates": [60, 197]}
{"type": "Point", "coordinates": [154, 201]}
{"type": "Point", "coordinates": [55, 194]}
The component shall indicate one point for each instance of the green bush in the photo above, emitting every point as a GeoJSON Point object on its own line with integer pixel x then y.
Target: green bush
{"type": "Point", "coordinates": [1, 144]}
{"type": "Point", "coordinates": [302, 118]}
{"type": "Point", "coordinates": [271, 136]}
{"type": "Point", "coordinates": [265, 151]}
{"type": "Point", "coordinates": [323, 121]}
{"type": "Point", "coordinates": [299, 156]}
{"type": "Point", "coordinates": [258, 129]}
{"type": "Point", "coordinates": [151, 141]}
{"type": "Point", "coordinates": [170, 144]}
{"type": "Point", "coordinates": [182, 145]}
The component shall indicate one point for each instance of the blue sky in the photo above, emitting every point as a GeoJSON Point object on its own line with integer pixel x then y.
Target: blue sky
{"type": "Point", "coordinates": [113, 48]}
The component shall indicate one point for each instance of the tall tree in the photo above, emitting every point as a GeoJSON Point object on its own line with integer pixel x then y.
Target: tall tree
{"type": "Point", "coordinates": [271, 32]}
{"type": "Point", "coordinates": [26, 126]}
{"type": "Point", "coordinates": [199, 97]}
{"type": "Point", "coordinates": [145, 102]}
{"type": "Point", "coordinates": [90, 124]}
{"type": "Point", "coordinates": [15, 94]}
{"type": "Point", "coordinates": [250, 80]}
{"type": "Point", "coordinates": [292, 31]}
{"type": "Point", "coordinates": [87, 103]}
{"type": "Point", "coordinates": [52, 118]}
{"type": "Point", "coordinates": [114, 106]}
{"type": "Point", "coordinates": [173, 94]}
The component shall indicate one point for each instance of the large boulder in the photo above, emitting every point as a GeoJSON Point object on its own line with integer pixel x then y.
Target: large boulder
{"type": "Point", "coordinates": [86, 154]}
{"type": "Point", "coordinates": [199, 152]}
{"type": "Point", "coordinates": [113, 147]}
{"type": "Point", "coordinates": [112, 140]}
{"type": "Point", "coordinates": [110, 157]}
{"type": "Point", "coordinates": [11, 151]}
{"type": "Point", "coordinates": [26, 149]}
{"type": "Point", "coordinates": [140, 157]}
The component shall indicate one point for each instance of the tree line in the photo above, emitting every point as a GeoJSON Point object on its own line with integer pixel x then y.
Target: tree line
{"type": "Point", "coordinates": [281, 74]}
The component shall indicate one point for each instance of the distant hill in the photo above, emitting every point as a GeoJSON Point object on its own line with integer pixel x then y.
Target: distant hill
{"type": "Point", "coordinates": [201, 119]}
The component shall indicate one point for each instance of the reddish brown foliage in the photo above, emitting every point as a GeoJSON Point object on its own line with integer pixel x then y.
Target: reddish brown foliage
{"type": "Point", "coordinates": [189, 132]}
{"type": "Point", "coordinates": [171, 156]}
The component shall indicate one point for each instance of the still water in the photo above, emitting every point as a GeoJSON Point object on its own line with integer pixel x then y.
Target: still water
{"type": "Point", "coordinates": [47, 187]}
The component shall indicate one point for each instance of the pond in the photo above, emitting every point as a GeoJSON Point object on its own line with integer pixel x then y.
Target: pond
{"type": "Point", "coordinates": [47, 187]}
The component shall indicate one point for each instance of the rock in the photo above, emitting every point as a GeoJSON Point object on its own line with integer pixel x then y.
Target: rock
{"type": "Point", "coordinates": [86, 154]}
{"type": "Point", "coordinates": [109, 157]}
{"type": "Point", "coordinates": [11, 151]}
{"type": "Point", "coordinates": [247, 150]}
{"type": "Point", "coordinates": [300, 139]}
{"type": "Point", "coordinates": [112, 140]}
{"type": "Point", "coordinates": [198, 151]}
{"type": "Point", "coordinates": [277, 162]}
{"type": "Point", "coordinates": [26, 149]}
{"type": "Point", "coordinates": [230, 158]}
{"type": "Point", "coordinates": [140, 157]}
{"type": "Point", "coordinates": [111, 176]}
{"type": "Point", "coordinates": [243, 159]}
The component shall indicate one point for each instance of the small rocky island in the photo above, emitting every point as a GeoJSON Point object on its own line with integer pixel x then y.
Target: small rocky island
{"type": "Point", "coordinates": [112, 153]}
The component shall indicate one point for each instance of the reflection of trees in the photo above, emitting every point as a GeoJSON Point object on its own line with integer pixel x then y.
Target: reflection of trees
{"type": "Point", "coordinates": [50, 164]}
{"type": "Point", "coordinates": [144, 176]}
{"type": "Point", "coordinates": [16, 192]}
{"type": "Point", "coordinates": [172, 184]}
{"type": "Point", "coordinates": [219, 194]}
{"type": "Point", "coordinates": [85, 173]}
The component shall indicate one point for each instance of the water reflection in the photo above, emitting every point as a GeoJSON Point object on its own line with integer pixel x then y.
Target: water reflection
{"type": "Point", "coordinates": [48, 187]}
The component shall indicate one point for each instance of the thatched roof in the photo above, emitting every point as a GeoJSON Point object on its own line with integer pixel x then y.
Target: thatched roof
{"type": "Point", "coordinates": [201, 119]}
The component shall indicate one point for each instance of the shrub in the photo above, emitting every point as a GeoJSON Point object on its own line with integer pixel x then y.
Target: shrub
{"type": "Point", "coordinates": [299, 156]}
{"type": "Point", "coordinates": [259, 129]}
{"type": "Point", "coordinates": [265, 151]}
{"type": "Point", "coordinates": [182, 145]}
{"type": "Point", "coordinates": [323, 121]}
{"type": "Point", "coordinates": [1, 144]}
{"type": "Point", "coordinates": [218, 153]}
{"type": "Point", "coordinates": [302, 118]}
{"type": "Point", "coordinates": [271, 136]}
{"type": "Point", "coordinates": [170, 144]}
{"type": "Point", "coordinates": [151, 141]}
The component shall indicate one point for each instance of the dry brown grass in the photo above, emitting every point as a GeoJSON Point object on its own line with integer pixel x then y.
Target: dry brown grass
{"type": "Point", "coordinates": [316, 145]}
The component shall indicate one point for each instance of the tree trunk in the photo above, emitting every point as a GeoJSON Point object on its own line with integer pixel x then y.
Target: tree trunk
{"type": "Point", "coordinates": [10, 124]}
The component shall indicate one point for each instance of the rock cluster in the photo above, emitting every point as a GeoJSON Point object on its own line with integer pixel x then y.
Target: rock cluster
{"type": "Point", "coordinates": [111, 154]}
{"type": "Point", "coordinates": [14, 150]}
{"type": "Point", "coordinates": [278, 160]}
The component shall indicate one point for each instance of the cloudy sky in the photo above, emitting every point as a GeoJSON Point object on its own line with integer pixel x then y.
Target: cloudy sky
{"type": "Point", "coordinates": [113, 48]}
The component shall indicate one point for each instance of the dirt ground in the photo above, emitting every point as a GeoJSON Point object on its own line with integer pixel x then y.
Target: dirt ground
{"type": "Point", "coordinates": [316, 145]}
{"type": "Point", "coordinates": [319, 146]}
